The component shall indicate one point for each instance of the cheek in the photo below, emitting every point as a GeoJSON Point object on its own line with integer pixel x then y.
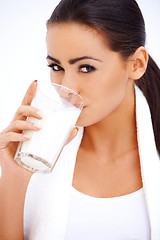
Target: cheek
{"type": "Point", "coordinates": [114, 87]}
{"type": "Point", "coordinates": [110, 88]}
{"type": "Point", "coordinates": [104, 98]}
{"type": "Point", "coordinates": [55, 77]}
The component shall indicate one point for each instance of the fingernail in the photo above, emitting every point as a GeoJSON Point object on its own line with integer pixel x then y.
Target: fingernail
{"type": "Point", "coordinates": [75, 128]}
{"type": "Point", "coordinates": [39, 114]}
{"type": "Point", "coordinates": [26, 136]}
{"type": "Point", "coordinates": [36, 126]}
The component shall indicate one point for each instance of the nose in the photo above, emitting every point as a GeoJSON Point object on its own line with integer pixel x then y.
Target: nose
{"type": "Point", "coordinates": [69, 81]}
{"type": "Point", "coordinates": [70, 90]}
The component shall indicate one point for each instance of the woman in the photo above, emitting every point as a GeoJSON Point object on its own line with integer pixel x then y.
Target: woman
{"type": "Point", "coordinates": [106, 182]}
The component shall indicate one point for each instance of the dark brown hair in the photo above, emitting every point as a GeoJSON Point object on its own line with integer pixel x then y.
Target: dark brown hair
{"type": "Point", "coordinates": [123, 25]}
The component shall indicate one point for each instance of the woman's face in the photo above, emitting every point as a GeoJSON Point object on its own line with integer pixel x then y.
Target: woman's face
{"type": "Point", "coordinates": [80, 60]}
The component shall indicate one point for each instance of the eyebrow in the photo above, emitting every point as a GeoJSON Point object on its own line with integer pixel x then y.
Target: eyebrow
{"type": "Point", "coordinates": [53, 59]}
{"type": "Point", "coordinates": [73, 61]}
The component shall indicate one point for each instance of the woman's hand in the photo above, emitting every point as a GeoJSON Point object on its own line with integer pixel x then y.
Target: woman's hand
{"type": "Point", "coordinates": [12, 135]}
{"type": "Point", "coordinates": [14, 179]}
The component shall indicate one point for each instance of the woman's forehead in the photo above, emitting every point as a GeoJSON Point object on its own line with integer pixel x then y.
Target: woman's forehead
{"type": "Point", "coordinates": [77, 37]}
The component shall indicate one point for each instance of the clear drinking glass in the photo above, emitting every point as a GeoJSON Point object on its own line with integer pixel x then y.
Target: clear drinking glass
{"type": "Point", "coordinates": [61, 108]}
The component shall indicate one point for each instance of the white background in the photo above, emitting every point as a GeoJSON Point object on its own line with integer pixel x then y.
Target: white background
{"type": "Point", "coordinates": [23, 48]}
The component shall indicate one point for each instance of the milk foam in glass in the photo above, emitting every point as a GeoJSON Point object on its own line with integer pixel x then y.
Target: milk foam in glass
{"type": "Point", "coordinates": [61, 108]}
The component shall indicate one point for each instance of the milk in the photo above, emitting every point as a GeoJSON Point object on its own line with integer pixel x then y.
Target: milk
{"type": "Point", "coordinates": [42, 150]}
{"type": "Point", "coordinates": [61, 108]}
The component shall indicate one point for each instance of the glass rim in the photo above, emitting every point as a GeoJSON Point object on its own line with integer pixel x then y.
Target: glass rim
{"type": "Point", "coordinates": [59, 85]}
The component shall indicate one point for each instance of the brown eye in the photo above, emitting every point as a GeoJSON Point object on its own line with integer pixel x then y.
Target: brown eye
{"type": "Point", "coordinates": [55, 67]}
{"type": "Point", "coordinates": [86, 68]}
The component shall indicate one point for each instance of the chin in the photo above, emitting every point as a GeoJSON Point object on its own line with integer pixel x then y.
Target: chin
{"type": "Point", "coordinates": [87, 118]}
{"type": "Point", "coordinates": [84, 121]}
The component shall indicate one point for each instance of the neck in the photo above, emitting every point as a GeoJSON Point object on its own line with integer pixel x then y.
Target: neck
{"type": "Point", "coordinates": [116, 134]}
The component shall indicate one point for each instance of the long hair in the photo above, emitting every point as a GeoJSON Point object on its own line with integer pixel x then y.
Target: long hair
{"type": "Point", "coordinates": [122, 23]}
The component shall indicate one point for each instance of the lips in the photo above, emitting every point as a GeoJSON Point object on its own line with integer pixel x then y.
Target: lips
{"type": "Point", "coordinates": [79, 105]}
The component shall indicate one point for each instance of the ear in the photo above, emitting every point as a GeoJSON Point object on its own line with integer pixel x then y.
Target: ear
{"type": "Point", "coordinates": [138, 63]}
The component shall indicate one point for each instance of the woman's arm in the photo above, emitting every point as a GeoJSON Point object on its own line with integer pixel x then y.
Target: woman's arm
{"type": "Point", "coordinates": [13, 187]}
{"type": "Point", "coordinates": [14, 179]}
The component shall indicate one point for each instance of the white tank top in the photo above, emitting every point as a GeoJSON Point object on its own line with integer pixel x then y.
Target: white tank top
{"type": "Point", "coordinates": [118, 218]}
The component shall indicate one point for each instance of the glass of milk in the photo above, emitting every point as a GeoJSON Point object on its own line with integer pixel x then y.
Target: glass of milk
{"type": "Point", "coordinates": [61, 108]}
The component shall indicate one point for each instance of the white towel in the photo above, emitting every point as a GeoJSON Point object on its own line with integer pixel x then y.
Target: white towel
{"type": "Point", "coordinates": [47, 197]}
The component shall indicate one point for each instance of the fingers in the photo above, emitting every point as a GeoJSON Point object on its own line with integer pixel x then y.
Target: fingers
{"type": "Point", "coordinates": [30, 93]}
{"type": "Point", "coordinates": [6, 138]}
{"type": "Point", "coordinates": [72, 135]}
{"type": "Point", "coordinates": [13, 133]}
{"type": "Point", "coordinates": [18, 126]}
{"type": "Point", "coordinates": [13, 137]}
{"type": "Point", "coordinates": [27, 111]}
